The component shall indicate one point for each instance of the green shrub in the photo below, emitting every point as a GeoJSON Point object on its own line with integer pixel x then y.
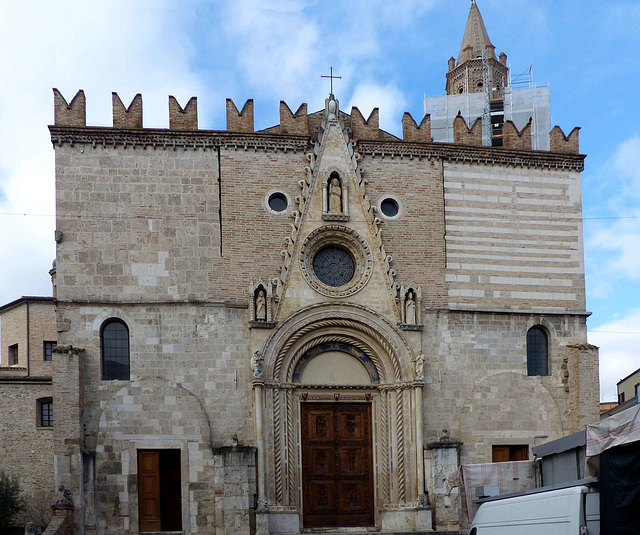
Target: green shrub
{"type": "Point", "coordinates": [11, 501]}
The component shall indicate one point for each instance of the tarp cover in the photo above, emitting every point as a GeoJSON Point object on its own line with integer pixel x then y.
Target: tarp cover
{"type": "Point", "coordinates": [620, 490]}
{"type": "Point", "coordinates": [615, 430]}
{"type": "Point", "coordinates": [513, 476]}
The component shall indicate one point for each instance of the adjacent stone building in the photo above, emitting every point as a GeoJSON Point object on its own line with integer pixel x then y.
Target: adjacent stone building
{"type": "Point", "coordinates": [308, 326]}
{"type": "Point", "coordinates": [27, 340]}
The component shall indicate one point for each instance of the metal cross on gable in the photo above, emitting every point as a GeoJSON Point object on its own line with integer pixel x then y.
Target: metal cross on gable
{"type": "Point", "coordinates": [331, 76]}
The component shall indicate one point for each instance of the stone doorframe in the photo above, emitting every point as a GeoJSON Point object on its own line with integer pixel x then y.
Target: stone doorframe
{"type": "Point", "coordinates": [396, 400]}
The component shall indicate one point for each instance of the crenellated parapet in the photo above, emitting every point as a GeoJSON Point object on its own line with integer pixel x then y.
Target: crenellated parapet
{"type": "Point", "coordinates": [183, 118]}
{"type": "Point", "coordinates": [69, 114]}
{"type": "Point", "coordinates": [467, 135]}
{"type": "Point", "coordinates": [566, 144]}
{"type": "Point", "coordinates": [369, 129]}
{"type": "Point", "coordinates": [415, 133]}
{"type": "Point", "coordinates": [294, 123]}
{"type": "Point", "coordinates": [130, 117]}
{"type": "Point", "coordinates": [240, 121]}
{"type": "Point", "coordinates": [184, 122]}
{"type": "Point", "coordinates": [512, 138]}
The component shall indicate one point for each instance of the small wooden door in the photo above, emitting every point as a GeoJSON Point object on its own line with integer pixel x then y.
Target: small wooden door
{"type": "Point", "coordinates": [159, 496]}
{"type": "Point", "coordinates": [149, 490]}
{"type": "Point", "coordinates": [337, 465]}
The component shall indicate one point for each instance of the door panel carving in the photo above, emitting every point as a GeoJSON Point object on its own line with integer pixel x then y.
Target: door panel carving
{"type": "Point", "coordinates": [337, 465]}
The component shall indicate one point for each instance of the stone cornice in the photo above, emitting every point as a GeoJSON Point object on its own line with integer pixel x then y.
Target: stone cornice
{"type": "Point", "coordinates": [174, 139]}
{"type": "Point", "coordinates": [455, 152]}
{"type": "Point", "coordinates": [203, 139]}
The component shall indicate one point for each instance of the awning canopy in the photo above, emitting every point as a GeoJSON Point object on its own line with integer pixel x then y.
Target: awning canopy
{"type": "Point", "coordinates": [615, 430]}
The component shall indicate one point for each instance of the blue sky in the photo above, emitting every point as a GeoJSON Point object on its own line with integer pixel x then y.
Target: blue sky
{"type": "Point", "coordinates": [389, 54]}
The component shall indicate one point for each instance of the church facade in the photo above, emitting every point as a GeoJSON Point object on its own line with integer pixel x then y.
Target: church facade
{"type": "Point", "coordinates": [309, 326]}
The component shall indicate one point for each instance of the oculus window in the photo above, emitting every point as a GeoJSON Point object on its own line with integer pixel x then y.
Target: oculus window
{"type": "Point", "coordinates": [114, 346]}
{"type": "Point", "coordinates": [389, 207]}
{"type": "Point", "coordinates": [277, 202]}
{"type": "Point", "coordinates": [537, 352]}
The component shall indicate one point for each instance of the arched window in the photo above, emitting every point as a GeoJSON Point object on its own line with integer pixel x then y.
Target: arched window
{"type": "Point", "coordinates": [537, 352]}
{"type": "Point", "coordinates": [114, 346]}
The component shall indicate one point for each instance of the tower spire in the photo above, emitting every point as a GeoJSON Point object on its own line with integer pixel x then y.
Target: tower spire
{"type": "Point", "coordinates": [476, 39]}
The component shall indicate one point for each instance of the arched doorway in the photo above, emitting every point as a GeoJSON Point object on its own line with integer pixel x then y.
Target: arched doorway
{"type": "Point", "coordinates": [343, 356]}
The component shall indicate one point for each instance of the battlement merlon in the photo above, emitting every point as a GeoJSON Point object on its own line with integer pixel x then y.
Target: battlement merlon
{"type": "Point", "coordinates": [300, 123]}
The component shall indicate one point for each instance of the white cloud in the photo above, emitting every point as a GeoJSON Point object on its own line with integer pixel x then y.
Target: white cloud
{"type": "Point", "coordinates": [612, 247]}
{"type": "Point", "coordinates": [389, 98]}
{"type": "Point", "coordinates": [619, 343]}
{"type": "Point", "coordinates": [122, 46]}
{"type": "Point", "coordinates": [276, 44]}
{"type": "Point", "coordinates": [626, 163]}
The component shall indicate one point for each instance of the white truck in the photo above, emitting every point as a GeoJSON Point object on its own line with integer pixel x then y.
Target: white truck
{"type": "Point", "coordinates": [573, 510]}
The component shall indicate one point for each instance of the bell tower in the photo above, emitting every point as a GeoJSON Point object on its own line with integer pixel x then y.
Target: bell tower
{"type": "Point", "coordinates": [477, 55]}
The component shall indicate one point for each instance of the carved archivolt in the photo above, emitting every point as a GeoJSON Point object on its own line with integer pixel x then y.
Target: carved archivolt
{"type": "Point", "coordinates": [378, 338]}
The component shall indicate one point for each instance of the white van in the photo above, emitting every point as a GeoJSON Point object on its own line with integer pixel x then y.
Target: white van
{"type": "Point", "coordinates": [566, 511]}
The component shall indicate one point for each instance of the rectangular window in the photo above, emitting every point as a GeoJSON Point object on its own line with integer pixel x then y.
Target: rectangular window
{"type": "Point", "coordinates": [503, 454]}
{"type": "Point", "coordinates": [45, 412]}
{"type": "Point", "coordinates": [13, 355]}
{"type": "Point", "coordinates": [48, 348]}
{"type": "Point", "coordinates": [621, 398]}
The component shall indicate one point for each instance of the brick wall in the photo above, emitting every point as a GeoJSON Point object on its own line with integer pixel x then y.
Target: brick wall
{"type": "Point", "coordinates": [14, 331]}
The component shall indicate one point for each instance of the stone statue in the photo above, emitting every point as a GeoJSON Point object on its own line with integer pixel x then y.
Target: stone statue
{"type": "Point", "coordinates": [420, 358]}
{"type": "Point", "coordinates": [410, 309]}
{"type": "Point", "coordinates": [64, 496]}
{"type": "Point", "coordinates": [261, 306]}
{"type": "Point", "coordinates": [256, 366]}
{"type": "Point", "coordinates": [335, 196]}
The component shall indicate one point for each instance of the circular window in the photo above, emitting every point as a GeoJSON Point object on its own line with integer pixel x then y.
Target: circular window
{"type": "Point", "coordinates": [333, 266]}
{"type": "Point", "coordinates": [389, 207]}
{"type": "Point", "coordinates": [336, 261]}
{"type": "Point", "coordinates": [278, 202]}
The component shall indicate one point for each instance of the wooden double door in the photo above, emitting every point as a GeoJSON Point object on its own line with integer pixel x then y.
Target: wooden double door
{"type": "Point", "coordinates": [337, 465]}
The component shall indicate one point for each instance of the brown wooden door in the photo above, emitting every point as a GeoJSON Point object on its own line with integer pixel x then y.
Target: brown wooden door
{"type": "Point", "coordinates": [337, 465]}
{"type": "Point", "coordinates": [159, 496]}
{"type": "Point", "coordinates": [149, 490]}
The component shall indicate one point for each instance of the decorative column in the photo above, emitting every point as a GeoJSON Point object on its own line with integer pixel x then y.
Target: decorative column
{"type": "Point", "coordinates": [422, 498]}
{"type": "Point", "coordinates": [262, 522]}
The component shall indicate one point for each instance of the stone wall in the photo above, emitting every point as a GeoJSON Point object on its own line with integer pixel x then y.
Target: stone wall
{"type": "Point", "coordinates": [189, 389]}
{"type": "Point", "coordinates": [27, 450]}
{"type": "Point", "coordinates": [165, 230]}
{"type": "Point", "coordinates": [477, 383]}
{"type": "Point", "coordinates": [513, 238]}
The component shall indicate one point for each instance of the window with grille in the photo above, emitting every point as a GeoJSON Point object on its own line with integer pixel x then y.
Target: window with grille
{"type": "Point", "coordinates": [47, 350]}
{"type": "Point", "coordinates": [537, 352]}
{"type": "Point", "coordinates": [114, 342]}
{"type": "Point", "coordinates": [45, 412]}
